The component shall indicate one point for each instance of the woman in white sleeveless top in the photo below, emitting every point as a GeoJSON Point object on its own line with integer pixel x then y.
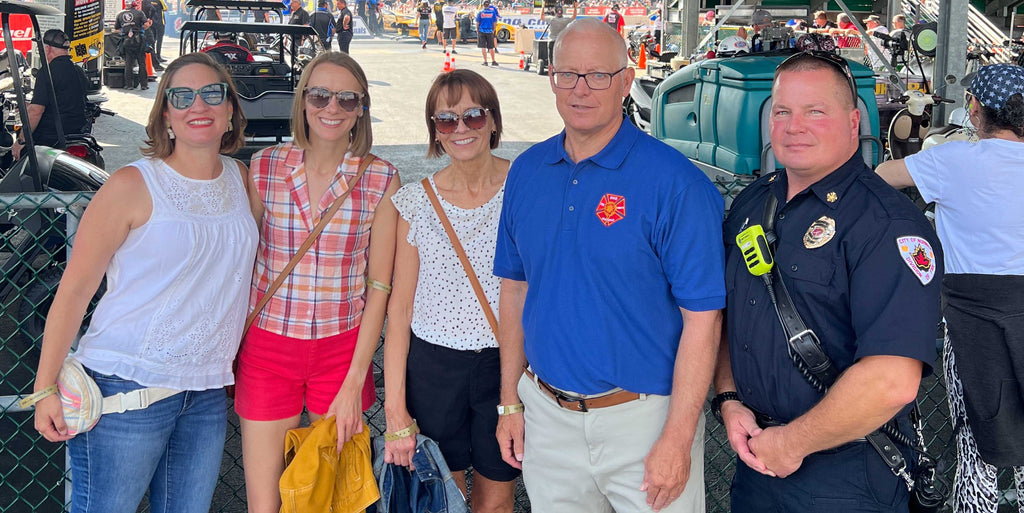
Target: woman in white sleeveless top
{"type": "Point", "coordinates": [175, 235]}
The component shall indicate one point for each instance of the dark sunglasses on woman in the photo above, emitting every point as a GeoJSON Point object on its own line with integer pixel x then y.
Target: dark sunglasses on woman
{"type": "Point", "coordinates": [448, 122]}
{"type": "Point", "coordinates": [319, 97]}
{"type": "Point", "coordinates": [182, 98]}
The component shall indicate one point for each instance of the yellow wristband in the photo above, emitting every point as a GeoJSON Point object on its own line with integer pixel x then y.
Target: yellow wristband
{"type": "Point", "coordinates": [38, 396]}
{"type": "Point", "coordinates": [402, 433]}
{"type": "Point", "coordinates": [510, 409]}
{"type": "Point", "coordinates": [379, 286]}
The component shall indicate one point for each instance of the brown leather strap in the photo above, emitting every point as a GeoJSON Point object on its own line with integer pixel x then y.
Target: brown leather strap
{"type": "Point", "coordinates": [579, 403]}
{"type": "Point", "coordinates": [306, 244]}
{"type": "Point", "coordinates": [488, 312]}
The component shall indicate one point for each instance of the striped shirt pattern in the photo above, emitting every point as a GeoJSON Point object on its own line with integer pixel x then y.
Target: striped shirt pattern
{"type": "Point", "coordinates": [325, 293]}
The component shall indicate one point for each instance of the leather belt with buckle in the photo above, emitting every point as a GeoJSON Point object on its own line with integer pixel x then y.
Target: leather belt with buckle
{"type": "Point", "coordinates": [582, 404]}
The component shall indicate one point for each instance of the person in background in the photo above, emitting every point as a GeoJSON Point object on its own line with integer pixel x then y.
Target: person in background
{"type": "Point", "coordinates": [344, 25]}
{"type": "Point", "coordinates": [361, 12]}
{"type": "Point", "coordinates": [873, 25]}
{"type": "Point", "coordinates": [708, 19]}
{"type": "Point", "coordinates": [424, 11]}
{"type": "Point", "coordinates": [759, 20]}
{"type": "Point", "coordinates": [846, 35]}
{"type": "Point", "coordinates": [132, 24]}
{"type": "Point", "coordinates": [486, 20]}
{"type": "Point", "coordinates": [154, 10]}
{"type": "Point", "coordinates": [616, 20]}
{"type": "Point", "coordinates": [299, 16]}
{"type": "Point", "coordinates": [844, 23]}
{"type": "Point", "coordinates": [899, 23]}
{"type": "Point", "coordinates": [657, 23]}
{"type": "Point", "coordinates": [439, 23]}
{"type": "Point", "coordinates": [373, 17]}
{"type": "Point", "coordinates": [441, 363]}
{"type": "Point", "coordinates": [227, 51]}
{"type": "Point", "coordinates": [821, 21]}
{"type": "Point", "coordinates": [322, 22]}
{"type": "Point", "coordinates": [175, 236]}
{"type": "Point", "coordinates": [451, 31]}
{"type": "Point", "coordinates": [70, 95]}
{"type": "Point", "coordinates": [978, 214]}
{"type": "Point", "coordinates": [610, 253]}
{"type": "Point", "coordinates": [557, 24]}
{"type": "Point", "coordinates": [311, 346]}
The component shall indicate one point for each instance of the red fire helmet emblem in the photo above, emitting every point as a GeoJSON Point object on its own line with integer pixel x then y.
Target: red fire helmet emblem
{"type": "Point", "coordinates": [611, 209]}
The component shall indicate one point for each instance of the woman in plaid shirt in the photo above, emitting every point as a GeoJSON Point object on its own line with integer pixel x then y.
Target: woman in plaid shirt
{"type": "Point", "coordinates": [312, 344]}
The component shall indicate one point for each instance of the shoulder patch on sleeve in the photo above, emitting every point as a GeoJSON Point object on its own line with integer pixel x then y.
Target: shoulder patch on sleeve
{"type": "Point", "coordinates": [917, 253]}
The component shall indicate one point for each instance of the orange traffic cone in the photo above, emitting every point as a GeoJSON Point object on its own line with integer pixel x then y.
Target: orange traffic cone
{"type": "Point", "coordinates": [522, 60]}
{"type": "Point", "coordinates": [642, 61]}
{"type": "Point", "coordinates": [149, 66]}
{"type": "Point", "coordinates": [451, 67]}
{"type": "Point", "coordinates": [657, 48]}
{"type": "Point", "coordinates": [447, 63]}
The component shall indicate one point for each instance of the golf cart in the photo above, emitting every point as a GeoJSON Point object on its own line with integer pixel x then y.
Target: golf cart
{"type": "Point", "coordinates": [266, 87]}
{"type": "Point", "coordinates": [716, 113]}
{"type": "Point", "coordinates": [203, 10]}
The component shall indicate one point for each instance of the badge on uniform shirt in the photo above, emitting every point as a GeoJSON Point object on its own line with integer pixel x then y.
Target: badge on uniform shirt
{"type": "Point", "coordinates": [820, 232]}
{"type": "Point", "coordinates": [611, 209]}
{"type": "Point", "coordinates": [917, 253]}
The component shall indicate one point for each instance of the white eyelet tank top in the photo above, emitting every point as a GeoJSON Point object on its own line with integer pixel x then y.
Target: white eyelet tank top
{"type": "Point", "coordinates": [178, 288]}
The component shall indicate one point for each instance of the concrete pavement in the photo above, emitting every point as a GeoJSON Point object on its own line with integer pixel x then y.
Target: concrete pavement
{"type": "Point", "coordinates": [400, 73]}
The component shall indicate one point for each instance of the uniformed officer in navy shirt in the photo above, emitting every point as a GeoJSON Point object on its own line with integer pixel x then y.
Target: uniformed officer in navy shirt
{"type": "Point", "coordinates": [863, 268]}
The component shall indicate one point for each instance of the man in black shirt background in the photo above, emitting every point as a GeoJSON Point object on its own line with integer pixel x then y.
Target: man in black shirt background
{"type": "Point", "coordinates": [42, 114]}
{"type": "Point", "coordinates": [300, 16]}
{"type": "Point", "coordinates": [132, 23]}
{"type": "Point", "coordinates": [154, 10]}
{"type": "Point", "coordinates": [344, 25]}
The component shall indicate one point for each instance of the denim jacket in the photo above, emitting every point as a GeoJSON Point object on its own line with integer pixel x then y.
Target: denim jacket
{"type": "Point", "coordinates": [428, 489]}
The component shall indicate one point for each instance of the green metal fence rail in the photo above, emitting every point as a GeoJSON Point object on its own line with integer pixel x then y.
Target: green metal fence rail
{"type": "Point", "coordinates": [34, 231]}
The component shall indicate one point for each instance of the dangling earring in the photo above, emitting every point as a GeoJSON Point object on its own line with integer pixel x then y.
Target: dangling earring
{"type": "Point", "coordinates": [230, 128]}
{"type": "Point", "coordinates": [170, 132]}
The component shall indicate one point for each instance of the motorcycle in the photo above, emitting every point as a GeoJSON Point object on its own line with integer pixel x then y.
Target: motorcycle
{"type": "Point", "coordinates": [641, 39]}
{"type": "Point", "coordinates": [911, 125]}
{"type": "Point", "coordinates": [82, 145]}
{"type": "Point", "coordinates": [35, 239]}
{"type": "Point", "coordinates": [637, 106]}
{"type": "Point", "coordinates": [958, 128]}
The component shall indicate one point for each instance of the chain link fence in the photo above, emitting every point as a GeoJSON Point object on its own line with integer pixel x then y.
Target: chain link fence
{"type": "Point", "coordinates": [33, 252]}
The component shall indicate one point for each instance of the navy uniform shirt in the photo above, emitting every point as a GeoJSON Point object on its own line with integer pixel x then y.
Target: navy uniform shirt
{"type": "Point", "coordinates": [870, 289]}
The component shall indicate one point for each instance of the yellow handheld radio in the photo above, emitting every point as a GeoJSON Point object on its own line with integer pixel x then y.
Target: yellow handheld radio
{"type": "Point", "coordinates": [756, 254]}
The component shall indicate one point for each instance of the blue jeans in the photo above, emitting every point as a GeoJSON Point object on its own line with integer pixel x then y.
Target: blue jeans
{"type": "Point", "coordinates": [173, 448]}
{"type": "Point", "coordinates": [424, 30]}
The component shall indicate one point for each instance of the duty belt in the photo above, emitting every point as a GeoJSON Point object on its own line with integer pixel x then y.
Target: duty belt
{"type": "Point", "coordinates": [583, 404]}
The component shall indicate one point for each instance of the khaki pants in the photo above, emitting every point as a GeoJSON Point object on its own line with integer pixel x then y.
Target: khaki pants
{"type": "Point", "coordinates": [593, 462]}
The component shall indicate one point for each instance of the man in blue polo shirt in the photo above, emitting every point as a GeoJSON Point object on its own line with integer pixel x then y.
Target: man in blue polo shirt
{"type": "Point", "coordinates": [486, 19]}
{"type": "Point", "coordinates": [610, 250]}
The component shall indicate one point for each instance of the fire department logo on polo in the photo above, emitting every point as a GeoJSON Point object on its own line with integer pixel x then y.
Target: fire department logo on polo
{"type": "Point", "coordinates": [611, 209]}
{"type": "Point", "coordinates": [918, 255]}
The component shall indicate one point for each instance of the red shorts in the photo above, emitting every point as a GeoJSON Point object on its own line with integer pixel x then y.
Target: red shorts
{"type": "Point", "coordinates": [277, 375]}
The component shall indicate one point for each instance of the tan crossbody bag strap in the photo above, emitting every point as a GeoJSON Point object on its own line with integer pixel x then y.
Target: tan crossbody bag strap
{"type": "Point", "coordinates": [306, 244]}
{"type": "Point", "coordinates": [488, 312]}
